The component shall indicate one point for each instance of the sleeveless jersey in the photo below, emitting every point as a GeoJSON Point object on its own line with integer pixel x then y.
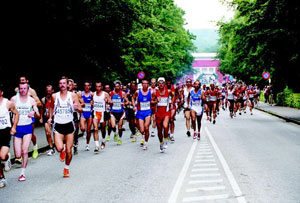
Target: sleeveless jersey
{"type": "Point", "coordinates": [196, 102]}
{"type": "Point", "coordinates": [99, 102]}
{"type": "Point", "coordinates": [163, 104]}
{"type": "Point", "coordinates": [4, 115]}
{"type": "Point", "coordinates": [63, 109]}
{"type": "Point", "coordinates": [117, 99]}
{"type": "Point", "coordinates": [230, 94]}
{"type": "Point", "coordinates": [46, 107]}
{"type": "Point", "coordinates": [24, 109]}
{"type": "Point", "coordinates": [144, 101]}
{"type": "Point", "coordinates": [185, 96]}
{"type": "Point", "coordinates": [87, 102]}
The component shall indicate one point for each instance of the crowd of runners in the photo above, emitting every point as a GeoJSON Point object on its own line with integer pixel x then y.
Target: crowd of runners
{"type": "Point", "coordinates": [150, 109]}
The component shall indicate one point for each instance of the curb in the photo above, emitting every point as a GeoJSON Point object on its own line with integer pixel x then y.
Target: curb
{"type": "Point", "coordinates": [282, 117]}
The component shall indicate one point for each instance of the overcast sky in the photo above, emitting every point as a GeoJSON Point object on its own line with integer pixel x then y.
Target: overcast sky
{"type": "Point", "coordinates": [201, 14]}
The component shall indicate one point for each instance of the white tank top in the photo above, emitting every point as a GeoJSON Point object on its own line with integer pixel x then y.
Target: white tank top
{"type": "Point", "coordinates": [185, 95]}
{"type": "Point", "coordinates": [99, 102]}
{"type": "Point", "coordinates": [4, 115]}
{"type": "Point", "coordinates": [24, 109]}
{"type": "Point", "coordinates": [230, 94]}
{"type": "Point", "coordinates": [63, 109]}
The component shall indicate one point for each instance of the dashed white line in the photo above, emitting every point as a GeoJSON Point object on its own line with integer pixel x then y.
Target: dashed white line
{"type": "Point", "coordinates": [204, 198]}
{"type": "Point", "coordinates": [205, 181]}
{"type": "Point", "coordinates": [205, 189]}
{"type": "Point", "coordinates": [209, 156]}
{"type": "Point", "coordinates": [206, 160]}
{"type": "Point", "coordinates": [204, 169]}
{"type": "Point", "coordinates": [233, 183]}
{"type": "Point", "coordinates": [205, 175]}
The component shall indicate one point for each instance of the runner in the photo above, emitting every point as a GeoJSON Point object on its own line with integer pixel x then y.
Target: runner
{"type": "Point", "coordinates": [131, 112]}
{"type": "Point", "coordinates": [230, 96]}
{"type": "Point", "coordinates": [213, 95]}
{"type": "Point", "coordinates": [153, 108]}
{"type": "Point", "coordinates": [76, 115]}
{"type": "Point", "coordinates": [33, 94]}
{"type": "Point", "coordinates": [100, 99]}
{"type": "Point", "coordinates": [6, 131]}
{"type": "Point", "coordinates": [107, 115]}
{"type": "Point", "coordinates": [117, 110]}
{"type": "Point", "coordinates": [195, 99]}
{"type": "Point", "coordinates": [86, 115]}
{"type": "Point", "coordinates": [143, 99]}
{"type": "Point", "coordinates": [27, 108]}
{"type": "Point", "coordinates": [173, 109]}
{"type": "Point", "coordinates": [63, 105]}
{"type": "Point", "coordinates": [46, 102]}
{"type": "Point", "coordinates": [251, 94]}
{"type": "Point", "coordinates": [186, 105]}
{"type": "Point", "coordinates": [162, 114]}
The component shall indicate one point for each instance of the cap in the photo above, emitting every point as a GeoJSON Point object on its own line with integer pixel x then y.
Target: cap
{"type": "Point", "coordinates": [161, 79]}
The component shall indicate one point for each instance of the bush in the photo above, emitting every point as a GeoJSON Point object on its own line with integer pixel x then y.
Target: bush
{"type": "Point", "coordinates": [280, 99]}
{"type": "Point", "coordinates": [288, 98]}
{"type": "Point", "coordinates": [296, 100]}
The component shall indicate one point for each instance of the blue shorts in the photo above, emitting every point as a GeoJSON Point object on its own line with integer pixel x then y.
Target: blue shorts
{"type": "Point", "coordinates": [33, 120]}
{"type": "Point", "coordinates": [23, 130]}
{"type": "Point", "coordinates": [143, 114]}
{"type": "Point", "coordinates": [86, 114]}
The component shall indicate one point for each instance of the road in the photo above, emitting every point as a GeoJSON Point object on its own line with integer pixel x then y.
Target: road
{"type": "Point", "coordinates": [245, 159]}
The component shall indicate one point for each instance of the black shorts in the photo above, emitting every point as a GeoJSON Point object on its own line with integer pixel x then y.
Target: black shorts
{"type": "Point", "coordinates": [118, 116]}
{"type": "Point", "coordinates": [5, 137]}
{"type": "Point", "coordinates": [131, 114]}
{"type": "Point", "coordinates": [75, 117]}
{"type": "Point", "coordinates": [64, 129]}
{"type": "Point", "coordinates": [186, 109]}
{"type": "Point", "coordinates": [106, 116]}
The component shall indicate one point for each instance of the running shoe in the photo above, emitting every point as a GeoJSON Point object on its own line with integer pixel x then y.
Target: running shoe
{"type": "Point", "coordinates": [62, 156]}
{"type": "Point", "coordinates": [210, 119]}
{"type": "Point", "coordinates": [198, 135]}
{"type": "Point", "coordinates": [21, 178]}
{"type": "Point", "coordinates": [108, 138]}
{"type": "Point", "coordinates": [102, 145]}
{"type": "Point", "coordinates": [96, 150]}
{"type": "Point", "coordinates": [245, 111]}
{"type": "Point", "coordinates": [66, 173]}
{"type": "Point", "coordinates": [3, 182]}
{"type": "Point", "coordinates": [35, 153]}
{"type": "Point", "coordinates": [161, 148]}
{"type": "Point", "coordinates": [251, 113]}
{"type": "Point", "coordinates": [131, 136]}
{"type": "Point", "coordinates": [7, 164]}
{"type": "Point", "coordinates": [145, 147]}
{"type": "Point", "coordinates": [188, 133]}
{"type": "Point", "coordinates": [240, 113]}
{"type": "Point", "coordinates": [142, 143]}
{"type": "Point", "coordinates": [207, 118]}
{"type": "Point", "coordinates": [214, 121]}
{"type": "Point", "coordinates": [165, 144]}
{"type": "Point", "coordinates": [116, 137]}
{"type": "Point", "coordinates": [87, 148]}
{"type": "Point", "coordinates": [195, 136]}
{"type": "Point", "coordinates": [51, 152]}
{"type": "Point", "coordinates": [119, 142]}
{"type": "Point", "coordinates": [152, 134]}
{"type": "Point", "coordinates": [133, 139]}
{"type": "Point", "coordinates": [18, 161]}
{"type": "Point", "coordinates": [172, 138]}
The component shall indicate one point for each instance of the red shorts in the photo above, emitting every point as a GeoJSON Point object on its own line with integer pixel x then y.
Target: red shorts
{"type": "Point", "coordinates": [160, 116]}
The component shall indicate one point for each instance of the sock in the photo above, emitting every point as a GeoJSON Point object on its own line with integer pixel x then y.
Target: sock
{"type": "Point", "coordinates": [171, 135]}
{"type": "Point", "coordinates": [67, 167]}
{"type": "Point", "coordinates": [23, 171]}
{"type": "Point", "coordinates": [35, 147]}
{"type": "Point", "coordinates": [97, 143]}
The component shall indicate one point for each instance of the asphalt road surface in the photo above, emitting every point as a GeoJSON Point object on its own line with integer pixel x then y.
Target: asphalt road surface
{"type": "Point", "coordinates": [246, 159]}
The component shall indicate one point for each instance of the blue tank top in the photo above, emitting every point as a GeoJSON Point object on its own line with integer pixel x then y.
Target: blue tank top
{"type": "Point", "coordinates": [117, 107]}
{"type": "Point", "coordinates": [144, 101]}
{"type": "Point", "coordinates": [195, 98]}
{"type": "Point", "coordinates": [87, 102]}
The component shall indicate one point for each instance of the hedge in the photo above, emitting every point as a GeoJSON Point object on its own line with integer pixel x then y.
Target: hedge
{"type": "Point", "coordinates": [288, 98]}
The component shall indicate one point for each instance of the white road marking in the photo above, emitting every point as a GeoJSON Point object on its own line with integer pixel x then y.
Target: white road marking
{"type": "Point", "coordinates": [204, 198]}
{"type": "Point", "coordinates": [205, 189]}
{"type": "Point", "coordinates": [180, 179]}
{"type": "Point", "coordinates": [237, 191]}
{"type": "Point", "coordinates": [205, 181]}
{"type": "Point", "coordinates": [205, 169]}
{"type": "Point", "coordinates": [209, 156]}
{"type": "Point", "coordinates": [206, 160]}
{"type": "Point", "coordinates": [205, 175]}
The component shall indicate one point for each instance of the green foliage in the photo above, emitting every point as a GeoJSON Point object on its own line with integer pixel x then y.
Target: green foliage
{"type": "Point", "coordinates": [288, 98]}
{"type": "Point", "coordinates": [262, 36]}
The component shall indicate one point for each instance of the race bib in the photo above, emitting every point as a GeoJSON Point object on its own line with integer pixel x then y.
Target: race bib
{"type": "Point", "coordinates": [213, 98]}
{"type": "Point", "coordinates": [163, 101]}
{"type": "Point", "coordinates": [145, 106]}
{"type": "Point", "coordinates": [99, 106]}
{"type": "Point", "coordinates": [116, 104]}
{"type": "Point", "coordinates": [87, 107]}
{"type": "Point", "coordinates": [3, 122]}
{"type": "Point", "coordinates": [196, 103]}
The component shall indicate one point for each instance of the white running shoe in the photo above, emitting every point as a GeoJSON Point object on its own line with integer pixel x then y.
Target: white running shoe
{"type": "Point", "coordinates": [165, 145]}
{"type": "Point", "coordinates": [87, 148]}
{"type": "Point", "coordinates": [51, 152]}
{"type": "Point", "coordinates": [7, 164]}
{"type": "Point", "coordinates": [3, 182]}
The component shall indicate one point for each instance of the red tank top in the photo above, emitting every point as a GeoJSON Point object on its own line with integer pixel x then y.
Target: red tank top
{"type": "Point", "coordinates": [163, 104]}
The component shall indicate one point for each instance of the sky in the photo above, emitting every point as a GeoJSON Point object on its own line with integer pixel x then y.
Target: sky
{"type": "Point", "coordinates": [203, 14]}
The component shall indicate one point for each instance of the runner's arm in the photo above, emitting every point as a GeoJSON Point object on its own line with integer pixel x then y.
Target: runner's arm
{"type": "Point", "coordinates": [13, 109]}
